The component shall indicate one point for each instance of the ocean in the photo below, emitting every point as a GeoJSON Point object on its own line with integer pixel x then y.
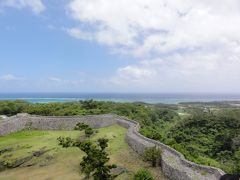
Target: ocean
{"type": "Point", "coordinates": [167, 98]}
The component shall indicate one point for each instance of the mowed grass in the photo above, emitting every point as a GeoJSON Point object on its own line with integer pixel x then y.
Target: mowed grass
{"type": "Point", "coordinates": [64, 162]}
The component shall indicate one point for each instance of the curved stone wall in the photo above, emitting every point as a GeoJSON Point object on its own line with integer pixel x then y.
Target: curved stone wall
{"type": "Point", "coordinates": [174, 165]}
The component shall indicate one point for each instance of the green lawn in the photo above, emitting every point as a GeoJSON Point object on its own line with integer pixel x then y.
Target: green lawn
{"type": "Point", "coordinates": [59, 163]}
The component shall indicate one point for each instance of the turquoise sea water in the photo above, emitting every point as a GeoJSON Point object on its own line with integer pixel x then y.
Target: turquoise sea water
{"type": "Point", "coordinates": [169, 98]}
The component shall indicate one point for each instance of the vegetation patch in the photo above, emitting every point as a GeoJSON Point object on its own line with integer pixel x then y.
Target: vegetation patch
{"type": "Point", "coordinates": [51, 160]}
{"type": "Point", "coordinates": [205, 133]}
{"type": "Point", "coordinates": [143, 174]}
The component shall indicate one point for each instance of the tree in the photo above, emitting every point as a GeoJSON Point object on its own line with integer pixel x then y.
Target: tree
{"type": "Point", "coordinates": [143, 174]}
{"type": "Point", "coordinates": [89, 104]}
{"type": "Point", "coordinates": [236, 168]}
{"type": "Point", "coordinates": [153, 155]}
{"type": "Point", "coordinates": [95, 162]}
{"type": "Point", "coordinates": [103, 143]}
{"type": "Point", "coordinates": [151, 133]}
{"type": "Point", "coordinates": [87, 163]}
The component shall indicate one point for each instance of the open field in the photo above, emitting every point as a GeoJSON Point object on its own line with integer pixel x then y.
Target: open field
{"type": "Point", "coordinates": [61, 163]}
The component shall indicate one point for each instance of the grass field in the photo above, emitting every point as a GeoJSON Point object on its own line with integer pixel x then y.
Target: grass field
{"type": "Point", "coordinates": [60, 163]}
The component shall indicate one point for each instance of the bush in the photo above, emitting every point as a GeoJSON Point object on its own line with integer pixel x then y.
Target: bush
{"type": "Point", "coordinates": [89, 131]}
{"type": "Point", "coordinates": [81, 126]}
{"type": "Point", "coordinates": [143, 174]}
{"type": "Point", "coordinates": [153, 155]}
{"type": "Point", "coordinates": [65, 142]}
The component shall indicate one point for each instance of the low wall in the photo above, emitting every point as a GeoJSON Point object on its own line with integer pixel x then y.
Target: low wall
{"type": "Point", "coordinates": [174, 165]}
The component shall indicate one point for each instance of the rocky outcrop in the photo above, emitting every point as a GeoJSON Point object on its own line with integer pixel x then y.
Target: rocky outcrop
{"type": "Point", "coordinates": [5, 149]}
{"type": "Point", "coordinates": [174, 165]}
{"type": "Point", "coordinates": [20, 161]}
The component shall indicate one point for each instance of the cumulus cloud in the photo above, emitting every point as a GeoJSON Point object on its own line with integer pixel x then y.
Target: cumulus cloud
{"type": "Point", "coordinates": [159, 26]}
{"type": "Point", "coordinates": [35, 5]}
{"type": "Point", "coordinates": [191, 42]}
{"type": "Point", "coordinates": [134, 74]}
{"type": "Point", "coordinates": [10, 77]}
{"type": "Point", "coordinates": [194, 72]}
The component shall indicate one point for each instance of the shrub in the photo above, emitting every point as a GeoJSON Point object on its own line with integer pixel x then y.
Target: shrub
{"type": "Point", "coordinates": [143, 174]}
{"type": "Point", "coordinates": [81, 126]}
{"type": "Point", "coordinates": [88, 132]}
{"type": "Point", "coordinates": [153, 155]}
{"type": "Point", "coordinates": [65, 142]}
{"type": "Point", "coordinates": [60, 140]}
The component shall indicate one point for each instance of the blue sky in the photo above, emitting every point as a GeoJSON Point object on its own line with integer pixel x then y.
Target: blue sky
{"type": "Point", "coordinates": [36, 49]}
{"type": "Point", "coordinates": [112, 46]}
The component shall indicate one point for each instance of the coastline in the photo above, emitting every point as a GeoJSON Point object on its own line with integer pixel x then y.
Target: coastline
{"type": "Point", "coordinates": [152, 98]}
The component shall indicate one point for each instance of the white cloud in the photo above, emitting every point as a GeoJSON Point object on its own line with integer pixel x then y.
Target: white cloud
{"type": "Point", "coordinates": [35, 5]}
{"type": "Point", "coordinates": [10, 77]}
{"type": "Point", "coordinates": [198, 71]}
{"type": "Point", "coordinates": [134, 74]}
{"type": "Point", "coordinates": [159, 26]}
{"type": "Point", "coordinates": [189, 44]}
{"type": "Point", "coordinates": [77, 33]}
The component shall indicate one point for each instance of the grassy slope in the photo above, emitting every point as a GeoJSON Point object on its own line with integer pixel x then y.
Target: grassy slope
{"type": "Point", "coordinates": [65, 164]}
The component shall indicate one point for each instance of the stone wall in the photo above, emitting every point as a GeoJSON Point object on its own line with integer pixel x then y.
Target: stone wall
{"type": "Point", "coordinates": [174, 165]}
{"type": "Point", "coordinates": [25, 121]}
{"type": "Point", "coordinates": [68, 123]}
{"type": "Point", "coordinates": [12, 124]}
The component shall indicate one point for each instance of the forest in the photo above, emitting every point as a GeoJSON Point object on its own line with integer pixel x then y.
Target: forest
{"type": "Point", "coordinates": [206, 135]}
